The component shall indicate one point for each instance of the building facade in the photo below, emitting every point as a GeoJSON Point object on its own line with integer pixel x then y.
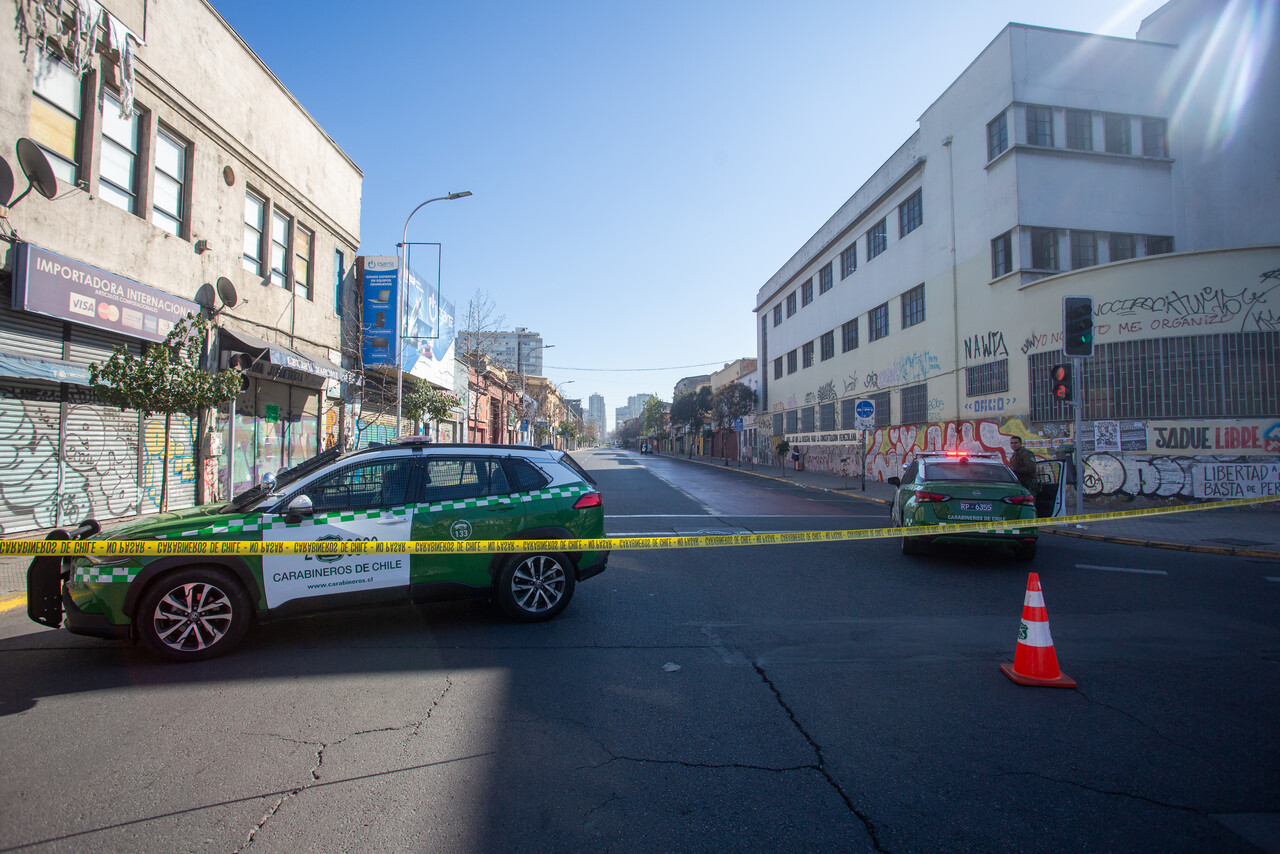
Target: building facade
{"type": "Point", "coordinates": [171, 198]}
{"type": "Point", "coordinates": [518, 351]}
{"type": "Point", "coordinates": [595, 418]}
{"type": "Point", "coordinates": [1057, 164]}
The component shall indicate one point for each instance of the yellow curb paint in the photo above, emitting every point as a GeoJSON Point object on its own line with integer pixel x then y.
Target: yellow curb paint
{"type": "Point", "coordinates": [9, 603]}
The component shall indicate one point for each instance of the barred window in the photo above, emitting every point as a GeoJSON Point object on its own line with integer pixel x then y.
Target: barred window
{"type": "Point", "coordinates": [793, 421]}
{"type": "Point", "coordinates": [848, 413]}
{"type": "Point", "coordinates": [989, 378]}
{"type": "Point", "coordinates": [827, 416]}
{"type": "Point", "coordinates": [807, 349]}
{"type": "Point", "coordinates": [828, 345]}
{"type": "Point", "coordinates": [824, 278]}
{"type": "Point", "coordinates": [848, 260]}
{"type": "Point", "coordinates": [913, 306]}
{"type": "Point", "coordinates": [997, 135]}
{"type": "Point", "coordinates": [877, 239]}
{"type": "Point", "coordinates": [878, 322]}
{"type": "Point", "coordinates": [849, 336]}
{"type": "Point", "coordinates": [915, 404]}
{"type": "Point", "coordinates": [777, 423]}
{"type": "Point", "coordinates": [881, 401]}
{"type": "Point", "coordinates": [806, 292]}
{"type": "Point", "coordinates": [806, 420]}
{"type": "Point", "coordinates": [911, 213]}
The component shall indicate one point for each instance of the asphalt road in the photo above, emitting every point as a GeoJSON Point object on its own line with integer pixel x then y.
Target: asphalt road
{"type": "Point", "coordinates": [775, 698]}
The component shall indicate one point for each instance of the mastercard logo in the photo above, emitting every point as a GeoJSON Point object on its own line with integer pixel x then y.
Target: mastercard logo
{"type": "Point", "coordinates": [108, 312]}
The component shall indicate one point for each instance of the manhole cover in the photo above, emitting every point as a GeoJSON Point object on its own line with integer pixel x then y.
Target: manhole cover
{"type": "Point", "coordinates": [1227, 541]}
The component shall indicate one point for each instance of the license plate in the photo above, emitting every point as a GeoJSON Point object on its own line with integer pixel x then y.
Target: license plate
{"type": "Point", "coordinates": [976, 506]}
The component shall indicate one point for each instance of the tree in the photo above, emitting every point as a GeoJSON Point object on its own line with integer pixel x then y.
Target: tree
{"type": "Point", "coordinates": [481, 325]}
{"type": "Point", "coordinates": [422, 399]}
{"type": "Point", "coordinates": [731, 401]}
{"type": "Point", "coordinates": [692, 408]}
{"type": "Point", "coordinates": [166, 379]}
{"type": "Point", "coordinates": [654, 416]}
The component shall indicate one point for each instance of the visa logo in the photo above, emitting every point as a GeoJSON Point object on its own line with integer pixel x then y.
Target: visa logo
{"type": "Point", "coordinates": [81, 304]}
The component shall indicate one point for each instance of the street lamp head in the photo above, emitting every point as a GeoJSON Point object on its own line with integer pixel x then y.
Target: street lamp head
{"type": "Point", "coordinates": [461, 195]}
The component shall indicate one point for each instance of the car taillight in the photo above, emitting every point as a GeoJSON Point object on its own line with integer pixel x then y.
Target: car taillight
{"type": "Point", "coordinates": [591, 499]}
{"type": "Point", "coordinates": [1025, 500]}
{"type": "Point", "coordinates": [924, 497]}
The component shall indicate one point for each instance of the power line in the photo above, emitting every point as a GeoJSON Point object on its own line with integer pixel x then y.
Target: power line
{"type": "Point", "coordinates": [632, 370]}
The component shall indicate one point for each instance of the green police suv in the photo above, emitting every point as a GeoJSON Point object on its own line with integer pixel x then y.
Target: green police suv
{"type": "Point", "coordinates": [957, 487]}
{"type": "Point", "coordinates": [186, 608]}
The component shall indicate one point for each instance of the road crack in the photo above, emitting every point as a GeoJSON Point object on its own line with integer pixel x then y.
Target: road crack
{"type": "Point", "coordinates": [1139, 722]}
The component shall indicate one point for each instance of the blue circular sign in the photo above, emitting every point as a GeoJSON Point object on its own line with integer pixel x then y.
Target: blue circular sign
{"type": "Point", "coordinates": [865, 409]}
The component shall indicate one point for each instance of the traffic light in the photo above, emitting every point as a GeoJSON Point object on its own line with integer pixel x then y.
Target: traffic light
{"type": "Point", "coordinates": [1060, 387]}
{"type": "Point", "coordinates": [1077, 326]}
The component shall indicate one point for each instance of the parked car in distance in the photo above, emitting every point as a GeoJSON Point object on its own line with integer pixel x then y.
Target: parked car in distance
{"type": "Point", "coordinates": [193, 607]}
{"type": "Point", "coordinates": [956, 487]}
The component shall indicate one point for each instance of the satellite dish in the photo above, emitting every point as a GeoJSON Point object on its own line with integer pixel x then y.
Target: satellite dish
{"type": "Point", "coordinates": [227, 292]}
{"type": "Point", "coordinates": [35, 165]}
{"type": "Point", "coordinates": [6, 181]}
{"type": "Point", "coordinates": [205, 296]}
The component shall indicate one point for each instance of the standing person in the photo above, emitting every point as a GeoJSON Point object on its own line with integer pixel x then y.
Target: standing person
{"type": "Point", "coordinates": [795, 458]}
{"type": "Point", "coordinates": [1023, 463]}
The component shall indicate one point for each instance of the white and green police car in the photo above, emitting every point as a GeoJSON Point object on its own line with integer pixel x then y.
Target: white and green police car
{"type": "Point", "coordinates": [187, 608]}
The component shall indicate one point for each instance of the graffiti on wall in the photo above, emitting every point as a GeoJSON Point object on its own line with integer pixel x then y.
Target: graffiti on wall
{"type": "Point", "coordinates": [989, 345]}
{"type": "Point", "coordinates": [907, 368]}
{"type": "Point", "coordinates": [182, 459]}
{"type": "Point", "coordinates": [1209, 306]}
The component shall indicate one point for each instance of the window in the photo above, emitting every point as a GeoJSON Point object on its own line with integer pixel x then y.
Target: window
{"type": "Point", "coordinates": [824, 278]}
{"type": "Point", "coordinates": [1159, 245]}
{"type": "Point", "coordinates": [279, 248]}
{"type": "Point", "coordinates": [339, 268]}
{"type": "Point", "coordinates": [828, 342]}
{"type": "Point", "coordinates": [997, 136]}
{"type": "Point", "coordinates": [465, 477]}
{"type": "Point", "coordinates": [806, 420]}
{"type": "Point", "coordinates": [254, 210]}
{"type": "Point", "coordinates": [362, 486]}
{"type": "Point", "coordinates": [849, 336]}
{"type": "Point", "coordinates": [1002, 255]}
{"type": "Point", "coordinates": [877, 240]}
{"type": "Point", "coordinates": [169, 182]}
{"type": "Point", "coordinates": [523, 476]}
{"type": "Point", "coordinates": [1044, 248]}
{"type": "Point", "coordinates": [1118, 135]}
{"type": "Point", "coordinates": [1123, 247]}
{"type": "Point", "coordinates": [1080, 130]}
{"type": "Point", "coordinates": [1084, 249]}
{"type": "Point", "coordinates": [1155, 141]}
{"type": "Point", "coordinates": [777, 314]}
{"type": "Point", "coordinates": [56, 114]}
{"type": "Point", "coordinates": [1039, 125]}
{"type": "Point", "coordinates": [848, 260]}
{"type": "Point", "coordinates": [881, 402]}
{"type": "Point", "coordinates": [878, 322]}
{"type": "Point", "coordinates": [827, 416]}
{"type": "Point", "coordinates": [806, 292]}
{"type": "Point", "coordinates": [915, 404]}
{"type": "Point", "coordinates": [913, 306]}
{"type": "Point", "coordinates": [807, 353]}
{"type": "Point", "coordinates": [791, 303]}
{"type": "Point", "coordinates": [302, 261]}
{"type": "Point", "coordinates": [910, 213]}
{"type": "Point", "coordinates": [791, 362]}
{"type": "Point", "coordinates": [118, 172]}
{"type": "Point", "coordinates": [777, 368]}
{"type": "Point", "coordinates": [848, 413]}
{"type": "Point", "coordinates": [777, 424]}
{"type": "Point", "coordinates": [991, 378]}
{"type": "Point", "coordinates": [793, 421]}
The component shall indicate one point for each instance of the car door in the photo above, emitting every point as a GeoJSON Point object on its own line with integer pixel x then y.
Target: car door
{"type": "Point", "coordinates": [1051, 499]}
{"type": "Point", "coordinates": [370, 499]}
{"type": "Point", "coordinates": [900, 497]}
{"type": "Point", "coordinates": [464, 497]}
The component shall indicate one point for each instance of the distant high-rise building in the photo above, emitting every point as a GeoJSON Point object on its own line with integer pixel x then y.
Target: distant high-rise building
{"type": "Point", "coordinates": [595, 415]}
{"type": "Point", "coordinates": [519, 350]}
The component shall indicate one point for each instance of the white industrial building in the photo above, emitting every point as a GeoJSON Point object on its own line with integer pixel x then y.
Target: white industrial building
{"type": "Point", "coordinates": [1143, 172]}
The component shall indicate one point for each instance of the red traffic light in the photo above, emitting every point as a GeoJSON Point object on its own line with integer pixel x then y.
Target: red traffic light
{"type": "Point", "coordinates": [1060, 386]}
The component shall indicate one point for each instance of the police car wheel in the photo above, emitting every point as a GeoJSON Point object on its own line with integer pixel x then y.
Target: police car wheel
{"type": "Point", "coordinates": [193, 614]}
{"type": "Point", "coordinates": [1025, 551]}
{"type": "Point", "coordinates": [534, 587]}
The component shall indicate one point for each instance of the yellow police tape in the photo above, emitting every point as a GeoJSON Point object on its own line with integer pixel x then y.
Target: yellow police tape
{"type": "Point", "coordinates": [149, 548]}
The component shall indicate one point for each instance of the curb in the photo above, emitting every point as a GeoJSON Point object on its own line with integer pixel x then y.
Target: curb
{"type": "Point", "coordinates": [12, 602]}
{"type": "Point", "coordinates": [1103, 538]}
{"type": "Point", "coordinates": [850, 491]}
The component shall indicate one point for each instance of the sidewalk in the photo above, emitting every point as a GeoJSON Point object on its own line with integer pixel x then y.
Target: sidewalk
{"type": "Point", "coordinates": [1240, 531]}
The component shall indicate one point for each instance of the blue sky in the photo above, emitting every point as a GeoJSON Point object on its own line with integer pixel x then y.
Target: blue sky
{"type": "Point", "coordinates": [639, 170]}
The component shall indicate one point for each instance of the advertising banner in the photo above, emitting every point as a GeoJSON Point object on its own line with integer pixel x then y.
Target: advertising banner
{"type": "Point", "coordinates": [1218, 438]}
{"type": "Point", "coordinates": [47, 283]}
{"type": "Point", "coordinates": [428, 345]}
{"type": "Point", "coordinates": [1237, 480]}
{"type": "Point", "coordinates": [381, 306]}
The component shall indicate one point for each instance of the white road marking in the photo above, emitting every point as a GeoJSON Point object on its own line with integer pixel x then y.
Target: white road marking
{"type": "Point", "coordinates": [1122, 569]}
{"type": "Point", "coordinates": [1272, 578]}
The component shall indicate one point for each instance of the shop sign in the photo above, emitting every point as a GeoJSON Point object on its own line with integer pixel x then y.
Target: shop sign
{"type": "Point", "coordinates": [1218, 438]}
{"type": "Point", "coordinates": [380, 329]}
{"type": "Point", "coordinates": [47, 283]}
{"type": "Point", "coordinates": [1236, 480]}
{"type": "Point", "coordinates": [271, 413]}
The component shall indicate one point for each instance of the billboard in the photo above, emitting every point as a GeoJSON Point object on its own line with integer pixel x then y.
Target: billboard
{"type": "Point", "coordinates": [428, 344]}
{"type": "Point", "coordinates": [379, 329]}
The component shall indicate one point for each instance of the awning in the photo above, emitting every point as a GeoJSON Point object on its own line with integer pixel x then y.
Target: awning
{"type": "Point", "coordinates": [32, 368]}
{"type": "Point", "coordinates": [285, 357]}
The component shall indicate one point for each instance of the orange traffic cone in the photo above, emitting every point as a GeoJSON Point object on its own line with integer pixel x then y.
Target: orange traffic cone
{"type": "Point", "coordinates": [1034, 661]}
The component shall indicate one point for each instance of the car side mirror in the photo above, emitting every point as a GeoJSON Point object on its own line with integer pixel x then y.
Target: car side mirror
{"type": "Point", "coordinates": [893, 481]}
{"type": "Point", "coordinates": [299, 508]}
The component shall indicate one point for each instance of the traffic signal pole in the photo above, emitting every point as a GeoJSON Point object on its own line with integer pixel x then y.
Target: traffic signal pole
{"type": "Point", "coordinates": [1077, 367]}
{"type": "Point", "coordinates": [1077, 342]}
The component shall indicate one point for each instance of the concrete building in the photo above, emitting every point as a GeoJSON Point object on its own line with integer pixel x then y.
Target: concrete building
{"type": "Point", "coordinates": [518, 351]}
{"type": "Point", "coordinates": [172, 196]}
{"type": "Point", "coordinates": [690, 384]}
{"type": "Point", "coordinates": [1058, 163]}
{"type": "Point", "coordinates": [596, 416]}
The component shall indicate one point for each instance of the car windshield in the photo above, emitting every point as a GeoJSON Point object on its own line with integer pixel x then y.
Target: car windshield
{"type": "Point", "coordinates": [284, 477]}
{"type": "Point", "coordinates": [970, 471]}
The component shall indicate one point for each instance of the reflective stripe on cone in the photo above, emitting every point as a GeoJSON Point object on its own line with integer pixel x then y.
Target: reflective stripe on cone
{"type": "Point", "coordinates": [1034, 660]}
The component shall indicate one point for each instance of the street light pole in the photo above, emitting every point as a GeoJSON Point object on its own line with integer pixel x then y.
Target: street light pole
{"type": "Point", "coordinates": [402, 278]}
